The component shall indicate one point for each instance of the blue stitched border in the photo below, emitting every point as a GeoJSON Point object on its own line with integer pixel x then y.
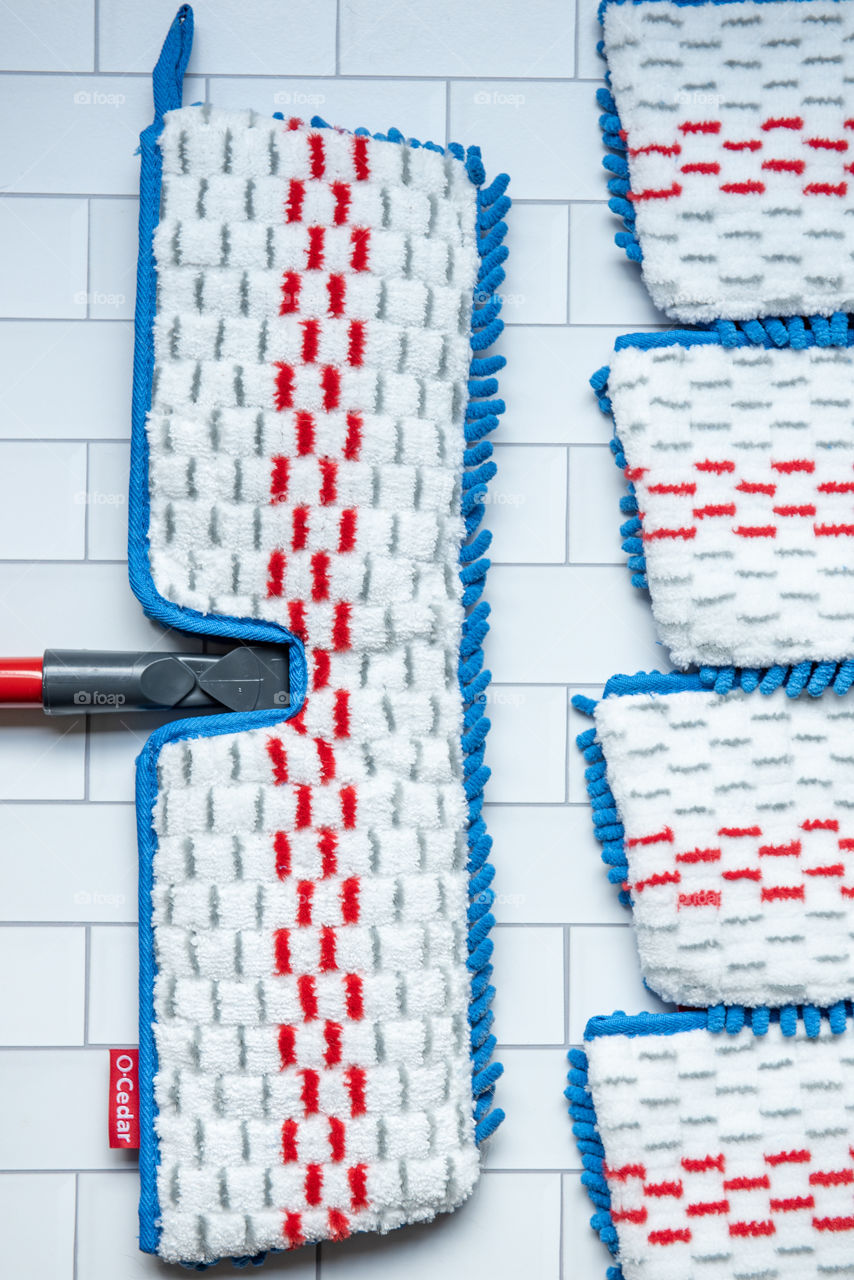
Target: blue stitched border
{"type": "Point", "coordinates": [718, 1020]}
{"type": "Point", "coordinates": [481, 419]}
{"type": "Point", "coordinates": [815, 678]}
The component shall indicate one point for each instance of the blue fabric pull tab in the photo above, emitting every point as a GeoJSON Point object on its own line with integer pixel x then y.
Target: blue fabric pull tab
{"type": "Point", "coordinates": [168, 75]}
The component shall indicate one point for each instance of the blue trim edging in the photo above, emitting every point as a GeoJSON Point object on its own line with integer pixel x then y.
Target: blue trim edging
{"type": "Point", "coordinates": [480, 420]}
{"type": "Point", "coordinates": [718, 1020]}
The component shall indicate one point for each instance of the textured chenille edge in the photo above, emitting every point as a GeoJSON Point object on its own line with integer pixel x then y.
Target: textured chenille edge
{"type": "Point", "coordinates": [815, 677]}
{"type": "Point", "coordinates": [482, 415]}
{"type": "Point", "coordinates": [718, 1021]}
{"type": "Point", "coordinates": [615, 162]}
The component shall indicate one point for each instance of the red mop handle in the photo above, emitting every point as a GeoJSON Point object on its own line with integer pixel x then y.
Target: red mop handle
{"type": "Point", "coordinates": [20, 681]}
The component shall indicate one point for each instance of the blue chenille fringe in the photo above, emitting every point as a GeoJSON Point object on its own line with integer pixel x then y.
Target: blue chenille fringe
{"type": "Point", "coordinates": [481, 418]}
{"type": "Point", "coordinates": [814, 678]}
{"type": "Point", "coordinates": [718, 1020]}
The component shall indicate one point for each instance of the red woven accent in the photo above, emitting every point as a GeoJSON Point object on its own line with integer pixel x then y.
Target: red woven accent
{"type": "Point", "coordinates": [336, 288]}
{"type": "Point", "coordinates": [290, 293]}
{"type": "Point", "coordinates": [293, 1230]}
{"type": "Point", "coordinates": [282, 846]}
{"type": "Point", "coordinates": [341, 192]}
{"type": "Point", "coordinates": [357, 1176]}
{"type": "Point", "coordinates": [361, 167]}
{"type": "Point", "coordinates": [782, 122]}
{"type": "Point", "coordinates": [279, 760]}
{"type": "Point", "coordinates": [293, 205]}
{"type": "Point", "coordinates": [287, 1047]}
{"type": "Point", "coordinates": [290, 1153]}
{"type": "Point", "coordinates": [317, 157]}
{"type": "Point", "coordinates": [354, 1078]}
{"type": "Point", "coordinates": [700, 126]}
{"type": "Point", "coordinates": [310, 1095]}
{"type": "Point", "coordinates": [316, 251]}
{"type": "Point", "coordinates": [283, 396]}
{"type": "Point", "coordinates": [360, 240]}
{"type": "Point", "coordinates": [307, 996]}
{"type": "Point", "coordinates": [282, 948]}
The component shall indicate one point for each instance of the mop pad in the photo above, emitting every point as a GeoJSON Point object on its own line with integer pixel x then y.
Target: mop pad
{"type": "Point", "coordinates": [310, 459]}
{"type": "Point", "coordinates": [719, 1149]}
{"type": "Point", "coordinates": [731, 131]}
{"type": "Point", "coordinates": [727, 820]}
{"type": "Point", "coordinates": [740, 465]}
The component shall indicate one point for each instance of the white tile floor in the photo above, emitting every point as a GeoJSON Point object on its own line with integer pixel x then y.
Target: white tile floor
{"type": "Point", "coordinates": [518, 78]}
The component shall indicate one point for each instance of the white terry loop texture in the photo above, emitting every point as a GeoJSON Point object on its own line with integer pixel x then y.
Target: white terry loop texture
{"type": "Point", "coordinates": [739, 835]}
{"type": "Point", "coordinates": [310, 885]}
{"type": "Point", "coordinates": [728, 1155]}
{"type": "Point", "coordinates": [737, 120]}
{"type": "Point", "coordinates": [743, 464]}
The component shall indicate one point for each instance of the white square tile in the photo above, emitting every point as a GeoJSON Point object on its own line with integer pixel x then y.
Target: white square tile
{"type": "Point", "coordinates": [53, 1109]}
{"type": "Point", "coordinates": [43, 257]}
{"type": "Point", "coordinates": [604, 286]}
{"type": "Point", "coordinates": [114, 744]}
{"type": "Point", "coordinates": [39, 35]}
{"type": "Point", "coordinates": [534, 291]}
{"type": "Point", "coordinates": [42, 361]}
{"type": "Point", "coordinates": [42, 501]}
{"type": "Point", "coordinates": [68, 862]}
{"type": "Point", "coordinates": [526, 506]}
{"type": "Point", "coordinates": [596, 486]}
{"type": "Point", "coordinates": [591, 66]}
{"type": "Point", "coordinates": [75, 134]}
{"type": "Point", "coordinates": [546, 384]}
{"type": "Point", "coordinates": [548, 868]}
{"type": "Point", "coordinates": [108, 1231]}
{"type": "Point", "coordinates": [604, 976]}
{"type": "Point", "coordinates": [38, 1210]}
{"type": "Point", "coordinates": [415, 107]}
{"type": "Point", "coordinates": [544, 134]}
{"type": "Point", "coordinates": [529, 983]}
{"type": "Point", "coordinates": [43, 1003]}
{"type": "Point", "coordinates": [76, 606]}
{"type": "Point", "coordinates": [479, 38]}
{"type": "Point", "coordinates": [107, 506]}
{"type": "Point", "coordinates": [113, 985]}
{"type": "Point", "coordinates": [40, 759]}
{"type": "Point", "coordinates": [113, 246]}
{"type": "Point", "coordinates": [558, 624]}
{"type": "Point", "coordinates": [536, 1133]}
{"type": "Point", "coordinates": [585, 1257]}
{"type": "Point", "coordinates": [509, 1228]}
{"type": "Point", "coordinates": [258, 40]}
{"type": "Point", "coordinates": [526, 747]}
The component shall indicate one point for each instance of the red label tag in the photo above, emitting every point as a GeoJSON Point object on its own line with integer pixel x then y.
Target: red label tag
{"type": "Point", "coordinates": [124, 1099]}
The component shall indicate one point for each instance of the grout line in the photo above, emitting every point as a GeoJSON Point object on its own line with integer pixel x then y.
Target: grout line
{"type": "Point", "coordinates": [337, 37]}
{"type": "Point", "coordinates": [109, 73]}
{"type": "Point", "coordinates": [74, 1261]}
{"type": "Point", "coordinates": [560, 1231]}
{"type": "Point", "coordinates": [96, 36]}
{"type": "Point", "coordinates": [87, 969]}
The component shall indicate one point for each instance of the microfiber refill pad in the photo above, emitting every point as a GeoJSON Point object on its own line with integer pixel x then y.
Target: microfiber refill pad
{"type": "Point", "coordinates": [740, 465]}
{"type": "Point", "coordinates": [310, 464]}
{"type": "Point", "coordinates": [717, 1149]}
{"type": "Point", "coordinates": [731, 123]}
{"type": "Point", "coordinates": [726, 819]}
